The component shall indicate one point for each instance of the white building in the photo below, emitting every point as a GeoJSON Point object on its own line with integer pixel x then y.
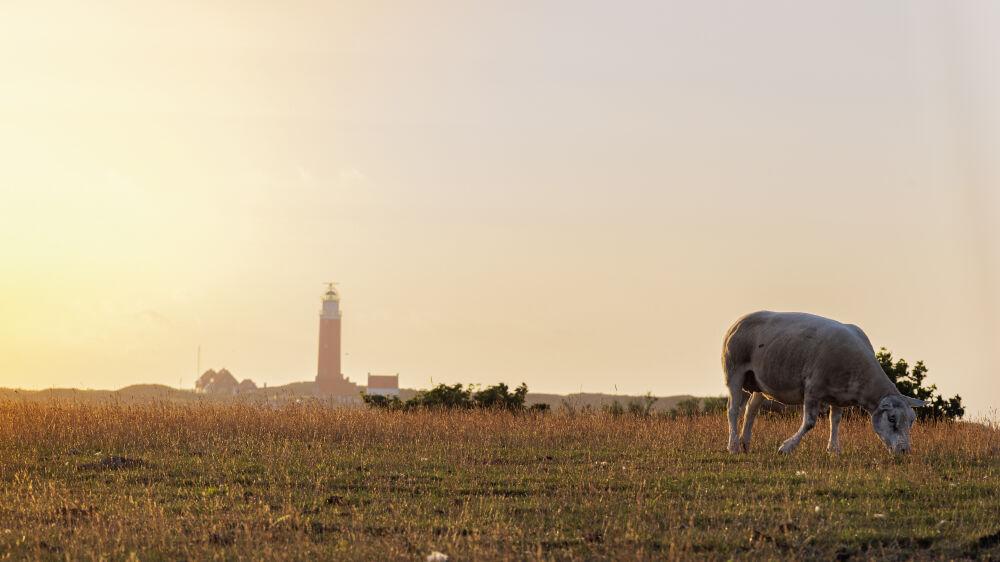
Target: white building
{"type": "Point", "coordinates": [384, 385]}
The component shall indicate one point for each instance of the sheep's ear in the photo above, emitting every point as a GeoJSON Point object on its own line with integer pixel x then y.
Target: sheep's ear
{"type": "Point", "coordinates": [914, 403]}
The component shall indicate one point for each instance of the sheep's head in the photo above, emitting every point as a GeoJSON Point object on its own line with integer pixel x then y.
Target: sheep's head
{"type": "Point", "coordinates": [892, 420]}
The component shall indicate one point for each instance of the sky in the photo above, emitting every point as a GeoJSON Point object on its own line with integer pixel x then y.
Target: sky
{"type": "Point", "coordinates": [582, 196]}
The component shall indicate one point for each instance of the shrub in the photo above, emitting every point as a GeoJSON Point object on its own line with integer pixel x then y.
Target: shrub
{"type": "Point", "coordinates": [501, 398]}
{"type": "Point", "coordinates": [443, 396]}
{"type": "Point", "coordinates": [380, 401]}
{"type": "Point", "coordinates": [642, 406]}
{"type": "Point", "coordinates": [571, 408]}
{"type": "Point", "coordinates": [910, 382]}
{"type": "Point", "coordinates": [698, 406]}
{"type": "Point", "coordinates": [615, 408]}
{"type": "Point", "coordinates": [686, 407]}
{"type": "Point", "coordinates": [714, 404]}
{"type": "Point", "coordinates": [639, 407]}
{"type": "Point", "coordinates": [456, 396]}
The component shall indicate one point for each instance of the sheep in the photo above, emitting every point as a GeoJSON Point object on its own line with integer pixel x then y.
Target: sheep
{"type": "Point", "coordinates": [798, 358]}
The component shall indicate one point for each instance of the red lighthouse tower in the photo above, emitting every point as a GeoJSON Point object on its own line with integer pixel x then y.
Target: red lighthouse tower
{"type": "Point", "coordinates": [329, 379]}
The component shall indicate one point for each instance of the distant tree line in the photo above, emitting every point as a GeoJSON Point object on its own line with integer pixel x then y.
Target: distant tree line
{"type": "Point", "coordinates": [457, 396]}
{"type": "Point", "coordinates": [909, 381]}
{"type": "Point", "coordinates": [643, 407]}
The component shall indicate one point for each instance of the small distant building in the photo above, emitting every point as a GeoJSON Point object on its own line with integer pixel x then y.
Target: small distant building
{"type": "Point", "coordinates": [212, 382]}
{"type": "Point", "coordinates": [221, 382]}
{"type": "Point", "coordinates": [204, 380]}
{"type": "Point", "coordinates": [384, 385]}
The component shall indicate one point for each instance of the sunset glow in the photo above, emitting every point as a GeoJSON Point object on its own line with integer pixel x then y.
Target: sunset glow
{"type": "Point", "coordinates": [574, 195]}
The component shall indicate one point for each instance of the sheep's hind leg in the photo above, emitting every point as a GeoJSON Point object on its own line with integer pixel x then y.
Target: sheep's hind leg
{"type": "Point", "coordinates": [756, 399]}
{"type": "Point", "coordinates": [810, 411]}
{"type": "Point", "coordinates": [737, 399]}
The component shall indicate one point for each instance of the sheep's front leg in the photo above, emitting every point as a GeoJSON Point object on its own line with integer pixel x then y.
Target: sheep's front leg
{"type": "Point", "coordinates": [810, 411]}
{"type": "Point", "coordinates": [835, 413]}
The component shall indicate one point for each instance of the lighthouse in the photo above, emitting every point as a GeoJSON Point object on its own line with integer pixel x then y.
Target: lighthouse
{"type": "Point", "coordinates": [329, 379]}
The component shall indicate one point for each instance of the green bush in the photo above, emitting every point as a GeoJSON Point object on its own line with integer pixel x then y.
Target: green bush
{"type": "Point", "coordinates": [501, 398]}
{"type": "Point", "coordinates": [910, 382]}
{"type": "Point", "coordinates": [714, 404]}
{"type": "Point", "coordinates": [456, 396]}
{"type": "Point", "coordinates": [443, 396]}
{"type": "Point", "coordinates": [686, 407]}
{"type": "Point", "coordinates": [642, 406]}
{"type": "Point", "coordinates": [384, 402]}
{"type": "Point", "coordinates": [615, 408]}
{"type": "Point", "coordinates": [699, 406]}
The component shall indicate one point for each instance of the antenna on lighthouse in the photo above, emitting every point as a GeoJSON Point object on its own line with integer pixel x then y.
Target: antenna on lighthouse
{"type": "Point", "coordinates": [331, 293]}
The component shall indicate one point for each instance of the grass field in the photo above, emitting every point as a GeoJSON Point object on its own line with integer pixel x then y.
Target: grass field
{"type": "Point", "coordinates": [303, 481]}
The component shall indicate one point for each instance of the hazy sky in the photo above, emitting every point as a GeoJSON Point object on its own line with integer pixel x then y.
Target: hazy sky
{"type": "Point", "coordinates": [578, 195]}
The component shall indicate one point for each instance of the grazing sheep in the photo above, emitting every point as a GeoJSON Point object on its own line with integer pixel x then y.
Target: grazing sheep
{"type": "Point", "coordinates": [797, 358]}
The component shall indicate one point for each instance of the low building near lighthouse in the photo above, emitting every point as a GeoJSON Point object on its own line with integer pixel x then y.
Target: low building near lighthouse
{"type": "Point", "coordinates": [383, 385]}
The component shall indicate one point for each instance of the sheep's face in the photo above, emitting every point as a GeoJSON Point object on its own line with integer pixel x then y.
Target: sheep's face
{"type": "Point", "coordinates": [892, 420]}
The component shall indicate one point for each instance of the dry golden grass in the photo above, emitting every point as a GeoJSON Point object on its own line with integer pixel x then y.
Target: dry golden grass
{"type": "Point", "coordinates": [306, 481]}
